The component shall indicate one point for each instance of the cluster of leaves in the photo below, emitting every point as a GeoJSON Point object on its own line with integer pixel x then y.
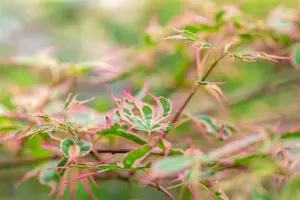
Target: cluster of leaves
{"type": "Point", "coordinates": [263, 158]}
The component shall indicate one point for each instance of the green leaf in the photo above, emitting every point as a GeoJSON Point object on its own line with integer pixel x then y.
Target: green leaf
{"type": "Point", "coordinates": [42, 128]}
{"type": "Point", "coordinates": [8, 128]}
{"type": "Point", "coordinates": [219, 16]}
{"type": "Point", "coordinates": [171, 165]}
{"type": "Point", "coordinates": [291, 189]}
{"type": "Point", "coordinates": [263, 166]}
{"type": "Point", "coordinates": [70, 128]}
{"type": "Point", "coordinates": [84, 147]}
{"type": "Point", "coordinates": [202, 176]}
{"type": "Point", "coordinates": [169, 127]}
{"type": "Point", "coordinates": [66, 145]}
{"type": "Point", "coordinates": [148, 115]}
{"type": "Point", "coordinates": [291, 135]}
{"type": "Point", "coordinates": [193, 37]}
{"type": "Point", "coordinates": [211, 125]}
{"type": "Point", "coordinates": [105, 167]}
{"type": "Point", "coordinates": [68, 101]}
{"type": "Point", "coordinates": [162, 146]}
{"type": "Point", "coordinates": [257, 195]}
{"type": "Point", "coordinates": [62, 163]}
{"type": "Point", "coordinates": [48, 175]}
{"type": "Point", "coordinates": [245, 160]}
{"type": "Point", "coordinates": [167, 104]}
{"type": "Point", "coordinates": [114, 130]}
{"type": "Point", "coordinates": [135, 155]}
{"type": "Point", "coordinates": [70, 148]}
{"type": "Point", "coordinates": [218, 196]}
{"type": "Point", "coordinates": [148, 40]}
{"type": "Point", "coordinates": [140, 124]}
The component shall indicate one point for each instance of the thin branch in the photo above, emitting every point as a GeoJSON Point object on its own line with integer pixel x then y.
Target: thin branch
{"type": "Point", "coordinates": [163, 190]}
{"type": "Point", "coordinates": [21, 162]}
{"type": "Point", "coordinates": [195, 87]}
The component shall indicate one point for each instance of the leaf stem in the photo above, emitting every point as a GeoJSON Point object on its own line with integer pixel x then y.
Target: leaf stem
{"type": "Point", "coordinates": [149, 137]}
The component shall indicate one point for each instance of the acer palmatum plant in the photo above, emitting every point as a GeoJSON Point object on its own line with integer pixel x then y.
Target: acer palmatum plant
{"type": "Point", "coordinates": [84, 143]}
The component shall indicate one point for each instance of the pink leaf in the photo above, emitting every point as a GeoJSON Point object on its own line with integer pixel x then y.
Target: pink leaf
{"type": "Point", "coordinates": [112, 96]}
{"type": "Point", "coordinates": [53, 189]}
{"type": "Point", "coordinates": [200, 64]}
{"type": "Point", "coordinates": [67, 163]}
{"type": "Point", "coordinates": [221, 132]}
{"type": "Point", "coordinates": [203, 131]}
{"type": "Point", "coordinates": [192, 192]}
{"type": "Point", "coordinates": [61, 188]}
{"type": "Point", "coordinates": [137, 102]}
{"type": "Point", "coordinates": [108, 122]}
{"type": "Point", "coordinates": [94, 181]}
{"type": "Point", "coordinates": [88, 188]}
{"type": "Point", "coordinates": [27, 176]}
{"type": "Point", "coordinates": [73, 188]}
{"type": "Point", "coordinates": [81, 177]}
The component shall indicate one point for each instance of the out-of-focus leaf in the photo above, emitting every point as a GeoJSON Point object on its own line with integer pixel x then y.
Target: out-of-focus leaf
{"type": "Point", "coordinates": [291, 135]}
{"type": "Point", "coordinates": [117, 167]}
{"type": "Point", "coordinates": [292, 189]}
{"type": "Point", "coordinates": [84, 147]}
{"type": "Point", "coordinates": [71, 148]}
{"type": "Point", "coordinates": [213, 127]}
{"type": "Point", "coordinates": [203, 28]}
{"type": "Point", "coordinates": [42, 128]}
{"type": "Point", "coordinates": [170, 166]}
{"type": "Point", "coordinates": [115, 131]}
{"type": "Point", "coordinates": [174, 151]}
{"type": "Point", "coordinates": [148, 40]}
{"type": "Point", "coordinates": [132, 157]}
{"type": "Point", "coordinates": [68, 145]}
{"type": "Point", "coordinates": [263, 166]}
{"type": "Point", "coordinates": [8, 132]}
{"type": "Point", "coordinates": [70, 128]}
{"type": "Point", "coordinates": [219, 16]}
{"type": "Point", "coordinates": [215, 91]}
{"type": "Point", "coordinates": [72, 101]}
{"type": "Point", "coordinates": [261, 196]}
{"type": "Point", "coordinates": [296, 55]}
{"type": "Point", "coordinates": [205, 175]}
{"type": "Point", "coordinates": [62, 163]}
{"type": "Point", "coordinates": [48, 175]}
{"type": "Point", "coordinates": [254, 56]}
{"type": "Point", "coordinates": [245, 160]}
{"type": "Point", "coordinates": [188, 35]}
{"type": "Point", "coordinates": [250, 36]}
{"type": "Point", "coordinates": [68, 101]}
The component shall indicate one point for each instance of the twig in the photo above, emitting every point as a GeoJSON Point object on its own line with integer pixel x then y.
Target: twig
{"type": "Point", "coordinates": [195, 87]}
{"type": "Point", "coordinates": [163, 190]}
{"type": "Point", "coordinates": [21, 162]}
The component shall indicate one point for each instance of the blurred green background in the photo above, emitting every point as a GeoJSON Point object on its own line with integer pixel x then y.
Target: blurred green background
{"type": "Point", "coordinates": [82, 30]}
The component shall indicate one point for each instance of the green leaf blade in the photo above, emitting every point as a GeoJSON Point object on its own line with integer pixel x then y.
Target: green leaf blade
{"type": "Point", "coordinates": [132, 157]}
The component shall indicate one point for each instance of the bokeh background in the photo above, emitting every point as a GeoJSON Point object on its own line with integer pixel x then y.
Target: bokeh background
{"type": "Point", "coordinates": [261, 93]}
